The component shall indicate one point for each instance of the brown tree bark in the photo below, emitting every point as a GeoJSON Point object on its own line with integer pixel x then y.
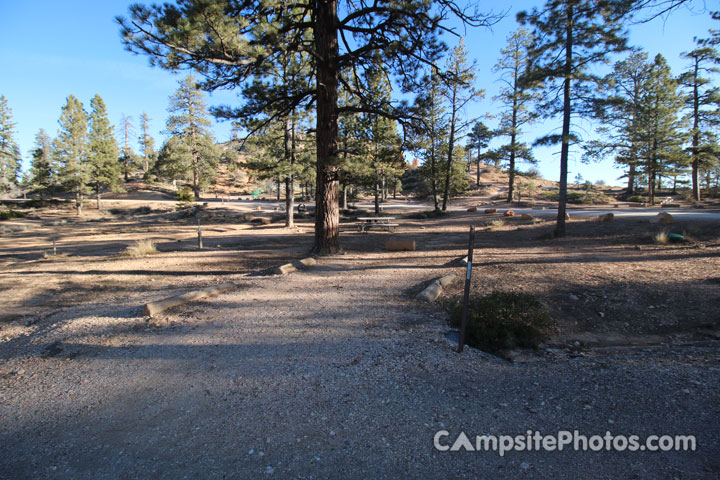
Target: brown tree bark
{"type": "Point", "coordinates": [327, 214]}
{"type": "Point", "coordinates": [565, 147]}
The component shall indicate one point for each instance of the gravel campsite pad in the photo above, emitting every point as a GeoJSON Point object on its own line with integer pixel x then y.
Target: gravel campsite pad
{"type": "Point", "coordinates": [337, 371]}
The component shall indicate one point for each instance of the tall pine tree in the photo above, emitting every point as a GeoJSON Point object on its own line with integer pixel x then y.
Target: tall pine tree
{"type": "Point", "coordinates": [620, 113]}
{"type": "Point", "coordinates": [702, 104]}
{"type": "Point", "coordinates": [10, 158]}
{"type": "Point", "coordinates": [194, 152]}
{"type": "Point", "coordinates": [147, 143]}
{"type": "Point", "coordinates": [102, 150]}
{"type": "Point", "coordinates": [569, 37]}
{"type": "Point", "coordinates": [516, 99]}
{"type": "Point", "coordinates": [660, 126]}
{"type": "Point", "coordinates": [459, 92]}
{"type": "Point", "coordinates": [42, 171]}
{"type": "Point", "coordinates": [70, 150]}
{"type": "Point", "coordinates": [229, 43]}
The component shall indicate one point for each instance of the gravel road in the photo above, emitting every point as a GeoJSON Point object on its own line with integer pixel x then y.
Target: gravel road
{"type": "Point", "coordinates": [335, 372]}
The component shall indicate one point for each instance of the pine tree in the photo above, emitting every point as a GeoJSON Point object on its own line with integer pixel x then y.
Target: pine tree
{"type": "Point", "coordinates": [70, 150]}
{"type": "Point", "coordinates": [660, 125]}
{"type": "Point", "coordinates": [42, 171]}
{"type": "Point", "coordinates": [569, 37]}
{"type": "Point", "coordinates": [147, 143]}
{"type": "Point", "coordinates": [128, 159]}
{"type": "Point", "coordinates": [102, 150]}
{"type": "Point", "coordinates": [478, 139]}
{"type": "Point", "coordinates": [516, 99]}
{"type": "Point", "coordinates": [701, 103]}
{"type": "Point", "coordinates": [620, 111]}
{"type": "Point", "coordinates": [429, 136]}
{"type": "Point", "coordinates": [460, 92]}
{"type": "Point", "coordinates": [230, 43]}
{"type": "Point", "coordinates": [194, 152]}
{"type": "Point", "coordinates": [379, 140]}
{"type": "Point", "coordinates": [10, 158]}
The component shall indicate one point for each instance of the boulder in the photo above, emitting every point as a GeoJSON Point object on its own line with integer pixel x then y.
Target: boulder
{"type": "Point", "coordinates": [491, 210]}
{"type": "Point", "coordinates": [472, 209]}
{"type": "Point", "coordinates": [608, 217]}
{"type": "Point", "coordinates": [663, 218]}
{"type": "Point", "coordinates": [509, 213]}
{"type": "Point", "coordinates": [447, 280]}
{"type": "Point", "coordinates": [526, 216]}
{"type": "Point", "coordinates": [431, 293]}
{"type": "Point", "coordinates": [285, 269]}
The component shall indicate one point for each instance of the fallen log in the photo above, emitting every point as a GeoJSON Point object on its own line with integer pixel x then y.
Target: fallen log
{"type": "Point", "coordinates": [153, 308]}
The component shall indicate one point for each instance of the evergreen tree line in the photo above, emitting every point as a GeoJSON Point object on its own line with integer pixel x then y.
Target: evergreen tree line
{"type": "Point", "coordinates": [89, 156]}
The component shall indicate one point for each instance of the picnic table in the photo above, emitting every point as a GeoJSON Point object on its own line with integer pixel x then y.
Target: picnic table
{"type": "Point", "coordinates": [366, 223]}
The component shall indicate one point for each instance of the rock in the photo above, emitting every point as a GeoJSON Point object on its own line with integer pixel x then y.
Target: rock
{"type": "Point", "coordinates": [261, 220]}
{"type": "Point", "coordinates": [608, 217]}
{"type": "Point", "coordinates": [258, 209]}
{"type": "Point", "coordinates": [509, 213]}
{"type": "Point", "coordinates": [400, 245]}
{"type": "Point", "coordinates": [307, 262]}
{"type": "Point", "coordinates": [285, 269]}
{"type": "Point", "coordinates": [472, 209]}
{"type": "Point", "coordinates": [431, 293]}
{"type": "Point", "coordinates": [526, 216]}
{"type": "Point", "coordinates": [447, 280]}
{"type": "Point", "coordinates": [663, 218]}
{"type": "Point", "coordinates": [491, 210]}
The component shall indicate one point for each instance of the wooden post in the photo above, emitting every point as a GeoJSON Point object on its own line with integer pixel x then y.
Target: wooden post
{"type": "Point", "coordinates": [200, 246]}
{"type": "Point", "coordinates": [466, 296]}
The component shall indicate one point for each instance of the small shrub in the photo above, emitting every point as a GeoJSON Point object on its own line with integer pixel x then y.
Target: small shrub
{"type": "Point", "coordinates": [185, 194]}
{"type": "Point", "coordinates": [495, 224]}
{"type": "Point", "coordinates": [637, 199]}
{"type": "Point", "coordinates": [141, 248]}
{"type": "Point", "coordinates": [10, 214]}
{"type": "Point", "coordinates": [662, 238]}
{"type": "Point", "coordinates": [502, 321]}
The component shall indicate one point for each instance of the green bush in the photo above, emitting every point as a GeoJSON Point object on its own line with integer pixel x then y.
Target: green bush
{"type": "Point", "coordinates": [637, 198]}
{"type": "Point", "coordinates": [502, 321]}
{"type": "Point", "coordinates": [185, 194]}
{"type": "Point", "coordinates": [10, 214]}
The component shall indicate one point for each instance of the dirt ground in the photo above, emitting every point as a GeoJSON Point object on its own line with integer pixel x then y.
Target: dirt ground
{"type": "Point", "coordinates": [339, 370]}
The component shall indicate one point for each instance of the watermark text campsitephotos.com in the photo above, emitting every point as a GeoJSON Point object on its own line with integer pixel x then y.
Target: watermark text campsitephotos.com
{"type": "Point", "coordinates": [562, 440]}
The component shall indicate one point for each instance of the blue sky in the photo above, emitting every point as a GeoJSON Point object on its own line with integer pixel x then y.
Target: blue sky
{"type": "Point", "coordinates": [51, 49]}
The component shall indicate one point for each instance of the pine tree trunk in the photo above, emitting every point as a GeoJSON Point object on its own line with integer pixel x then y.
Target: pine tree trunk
{"type": "Point", "coordinates": [477, 174]}
{"type": "Point", "coordinates": [97, 190]}
{"type": "Point", "coordinates": [196, 176]}
{"type": "Point", "coordinates": [343, 205]}
{"type": "Point", "coordinates": [327, 215]}
{"type": "Point", "coordinates": [78, 202]}
{"type": "Point", "coordinates": [451, 142]}
{"type": "Point", "coordinates": [696, 137]}
{"type": "Point", "coordinates": [377, 196]}
{"type": "Point", "coordinates": [565, 147]}
{"type": "Point", "coordinates": [631, 180]}
{"type": "Point", "coordinates": [289, 144]}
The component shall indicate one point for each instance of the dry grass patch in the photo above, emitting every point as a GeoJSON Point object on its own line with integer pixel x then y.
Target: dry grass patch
{"type": "Point", "coordinates": [141, 248]}
{"type": "Point", "coordinates": [495, 225]}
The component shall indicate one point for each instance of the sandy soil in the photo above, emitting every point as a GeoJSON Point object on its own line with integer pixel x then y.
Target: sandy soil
{"type": "Point", "coordinates": [337, 371]}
